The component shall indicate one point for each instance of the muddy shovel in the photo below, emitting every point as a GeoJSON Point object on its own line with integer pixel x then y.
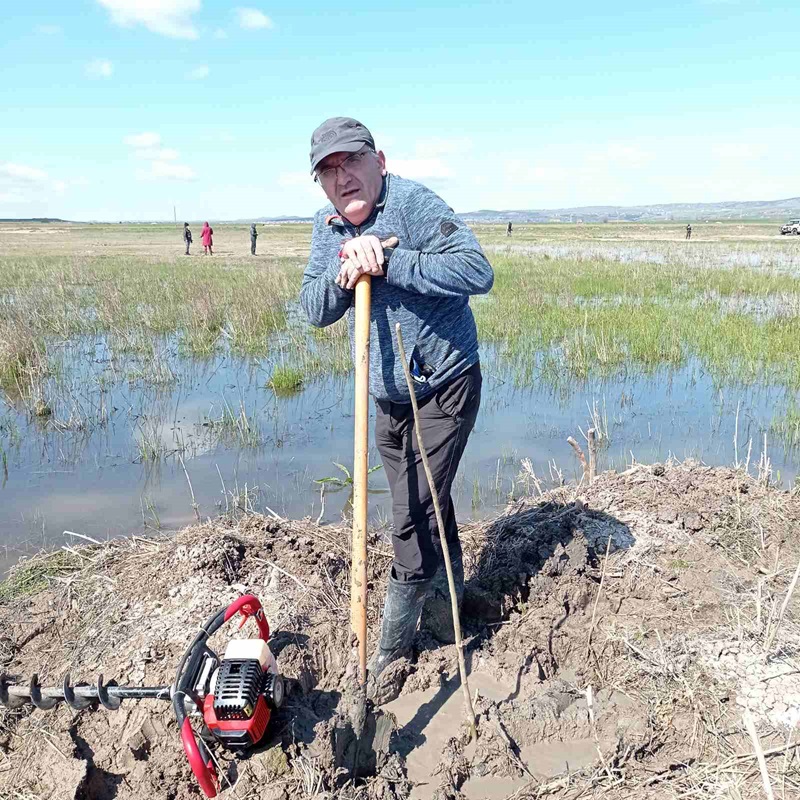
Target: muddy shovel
{"type": "Point", "coordinates": [358, 579]}
{"type": "Point", "coordinates": [361, 734]}
{"type": "Point", "coordinates": [358, 585]}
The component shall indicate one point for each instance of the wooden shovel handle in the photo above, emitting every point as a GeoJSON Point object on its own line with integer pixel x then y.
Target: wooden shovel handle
{"type": "Point", "coordinates": [358, 583]}
{"type": "Point", "coordinates": [358, 572]}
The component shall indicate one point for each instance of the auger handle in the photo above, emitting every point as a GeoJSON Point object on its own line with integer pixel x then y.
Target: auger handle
{"type": "Point", "coordinates": [249, 606]}
{"type": "Point", "coordinates": [199, 760]}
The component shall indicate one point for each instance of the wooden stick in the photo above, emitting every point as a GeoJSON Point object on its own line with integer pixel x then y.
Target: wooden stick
{"type": "Point", "coordinates": [592, 443]}
{"type": "Point", "coordinates": [597, 598]}
{"type": "Point", "coordinates": [774, 632]}
{"type": "Point", "coordinates": [358, 579]}
{"type": "Point", "coordinates": [82, 536]}
{"type": "Point", "coordinates": [578, 452]}
{"type": "Point", "coordinates": [195, 507]}
{"type": "Point", "coordinates": [462, 669]}
{"type": "Point", "coordinates": [762, 762]}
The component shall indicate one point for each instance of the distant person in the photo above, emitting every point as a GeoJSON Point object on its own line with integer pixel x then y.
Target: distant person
{"type": "Point", "coordinates": [206, 235]}
{"type": "Point", "coordinates": [253, 237]}
{"type": "Point", "coordinates": [508, 230]}
{"type": "Point", "coordinates": [187, 236]}
{"type": "Point", "coordinates": [689, 231]}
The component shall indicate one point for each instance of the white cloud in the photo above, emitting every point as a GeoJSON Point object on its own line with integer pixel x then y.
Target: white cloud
{"type": "Point", "coordinates": [47, 30]}
{"type": "Point", "coordinates": [738, 151]}
{"type": "Point", "coordinates": [156, 154]}
{"type": "Point", "coordinates": [168, 170]}
{"type": "Point", "coordinates": [220, 33]}
{"type": "Point", "coordinates": [619, 154]}
{"type": "Point", "coordinates": [686, 167]}
{"type": "Point", "coordinates": [301, 188]}
{"type": "Point", "coordinates": [166, 17]}
{"type": "Point", "coordinates": [430, 159]}
{"type": "Point", "coordinates": [419, 168]}
{"type": "Point", "coordinates": [520, 170]}
{"type": "Point", "coordinates": [143, 140]}
{"type": "Point", "coordinates": [99, 68]}
{"type": "Point", "coordinates": [435, 147]}
{"type": "Point", "coordinates": [162, 160]}
{"type": "Point", "coordinates": [23, 184]}
{"type": "Point", "coordinates": [22, 173]}
{"type": "Point", "coordinates": [166, 154]}
{"type": "Point", "coordinates": [294, 179]}
{"type": "Point", "coordinates": [252, 19]}
{"type": "Point", "coordinates": [198, 73]}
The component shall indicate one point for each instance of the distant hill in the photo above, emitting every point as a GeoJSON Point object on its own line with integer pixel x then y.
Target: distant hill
{"type": "Point", "coordinates": [660, 212]}
{"type": "Point", "coordinates": [33, 219]}
{"type": "Point", "coordinates": [752, 210]}
{"type": "Point", "coordinates": [277, 219]}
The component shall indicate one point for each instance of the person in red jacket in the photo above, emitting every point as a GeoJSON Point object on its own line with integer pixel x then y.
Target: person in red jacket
{"type": "Point", "coordinates": [206, 235]}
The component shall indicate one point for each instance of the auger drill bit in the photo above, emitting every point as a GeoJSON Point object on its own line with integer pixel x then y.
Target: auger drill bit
{"type": "Point", "coordinates": [109, 695]}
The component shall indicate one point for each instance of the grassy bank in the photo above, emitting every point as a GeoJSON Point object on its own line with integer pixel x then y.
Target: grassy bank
{"type": "Point", "coordinates": [570, 317]}
{"type": "Point", "coordinates": [568, 301]}
{"type": "Point", "coordinates": [200, 299]}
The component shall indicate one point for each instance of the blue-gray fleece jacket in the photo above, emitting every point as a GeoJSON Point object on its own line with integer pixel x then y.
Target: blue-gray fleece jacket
{"type": "Point", "coordinates": [429, 279]}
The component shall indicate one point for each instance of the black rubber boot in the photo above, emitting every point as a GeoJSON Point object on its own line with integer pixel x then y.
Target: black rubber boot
{"type": "Point", "coordinates": [437, 615]}
{"type": "Point", "coordinates": [401, 613]}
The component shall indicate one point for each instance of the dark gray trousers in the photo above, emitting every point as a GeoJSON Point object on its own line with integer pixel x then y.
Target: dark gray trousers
{"type": "Point", "coordinates": [253, 245]}
{"type": "Point", "coordinates": [446, 417]}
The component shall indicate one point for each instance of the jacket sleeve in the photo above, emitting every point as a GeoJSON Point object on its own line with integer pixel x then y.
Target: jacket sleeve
{"type": "Point", "coordinates": [323, 301]}
{"type": "Point", "coordinates": [445, 259]}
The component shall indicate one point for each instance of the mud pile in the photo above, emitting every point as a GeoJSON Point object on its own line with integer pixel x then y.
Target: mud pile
{"type": "Point", "coordinates": [592, 675]}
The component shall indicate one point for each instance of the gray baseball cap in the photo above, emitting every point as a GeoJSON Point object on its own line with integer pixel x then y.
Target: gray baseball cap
{"type": "Point", "coordinates": [338, 135]}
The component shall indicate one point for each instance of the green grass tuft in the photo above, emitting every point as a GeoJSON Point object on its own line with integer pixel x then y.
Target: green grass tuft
{"type": "Point", "coordinates": [286, 380]}
{"type": "Point", "coordinates": [787, 427]}
{"type": "Point", "coordinates": [30, 577]}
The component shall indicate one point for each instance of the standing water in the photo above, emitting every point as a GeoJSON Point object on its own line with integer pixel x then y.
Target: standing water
{"type": "Point", "coordinates": [129, 441]}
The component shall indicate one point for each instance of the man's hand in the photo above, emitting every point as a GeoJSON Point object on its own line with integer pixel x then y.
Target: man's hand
{"type": "Point", "coordinates": [360, 256]}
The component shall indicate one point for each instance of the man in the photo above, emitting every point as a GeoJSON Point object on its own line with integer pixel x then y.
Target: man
{"type": "Point", "coordinates": [689, 230]}
{"type": "Point", "coordinates": [187, 236]}
{"type": "Point", "coordinates": [508, 230]}
{"type": "Point", "coordinates": [253, 237]}
{"type": "Point", "coordinates": [424, 284]}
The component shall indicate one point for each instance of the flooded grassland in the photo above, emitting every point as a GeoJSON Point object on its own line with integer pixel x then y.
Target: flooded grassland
{"type": "Point", "coordinates": [141, 387]}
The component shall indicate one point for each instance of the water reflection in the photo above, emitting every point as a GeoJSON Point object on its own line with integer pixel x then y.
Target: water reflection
{"type": "Point", "coordinates": [124, 429]}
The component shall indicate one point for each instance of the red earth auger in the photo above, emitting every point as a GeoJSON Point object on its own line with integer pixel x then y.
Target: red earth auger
{"type": "Point", "coordinates": [234, 695]}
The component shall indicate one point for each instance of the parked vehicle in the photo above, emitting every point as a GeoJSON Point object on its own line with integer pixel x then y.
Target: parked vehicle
{"type": "Point", "coordinates": [792, 226]}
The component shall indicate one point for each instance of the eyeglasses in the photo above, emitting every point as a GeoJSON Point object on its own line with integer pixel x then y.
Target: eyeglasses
{"type": "Point", "coordinates": [349, 165]}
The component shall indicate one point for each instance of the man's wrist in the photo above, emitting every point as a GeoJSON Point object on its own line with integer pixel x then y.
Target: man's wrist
{"type": "Point", "coordinates": [333, 272]}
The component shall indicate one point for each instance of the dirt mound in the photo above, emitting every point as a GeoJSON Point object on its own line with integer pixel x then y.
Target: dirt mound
{"type": "Point", "coordinates": [618, 675]}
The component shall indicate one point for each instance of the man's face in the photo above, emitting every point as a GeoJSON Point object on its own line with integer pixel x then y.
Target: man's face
{"type": "Point", "coordinates": [355, 186]}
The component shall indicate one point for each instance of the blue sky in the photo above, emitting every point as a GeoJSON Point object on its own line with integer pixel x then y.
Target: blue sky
{"type": "Point", "coordinates": [118, 109]}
